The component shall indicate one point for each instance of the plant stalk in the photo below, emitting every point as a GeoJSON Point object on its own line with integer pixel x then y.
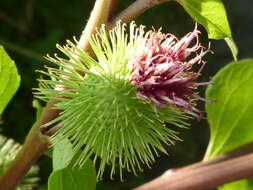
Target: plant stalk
{"type": "Point", "coordinates": [35, 144]}
{"type": "Point", "coordinates": [99, 16]}
{"type": "Point", "coordinates": [205, 177]}
{"type": "Point", "coordinates": [134, 10]}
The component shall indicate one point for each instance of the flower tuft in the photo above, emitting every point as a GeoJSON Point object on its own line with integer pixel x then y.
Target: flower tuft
{"type": "Point", "coordinates": [105, 112]}
{"type": "Point", "coordinates": [161, 70]}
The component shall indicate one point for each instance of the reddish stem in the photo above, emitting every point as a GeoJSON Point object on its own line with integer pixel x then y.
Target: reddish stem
{"type": "Point", "coordinates": [206, 177]}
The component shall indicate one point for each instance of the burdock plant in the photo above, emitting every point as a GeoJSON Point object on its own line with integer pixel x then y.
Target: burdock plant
{"type": "Point", "coordinates": [115, 106]}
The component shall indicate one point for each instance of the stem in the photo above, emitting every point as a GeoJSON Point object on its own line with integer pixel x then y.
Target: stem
{"type": "Point", "coordinates": [35, 144]}
{"type": "Point", "coordinates": [134, 10]}
{"type": "Point", "coordinates": [53, 130]}
{"type": "Point", "coordinates": [32, 149]}
{"type": "Point", "coordinates": [98, 16]}
{"type": "Point", "coordinates": [112, 8]}
{"type": "Point", "coordinates": [206, 177]}
{"type": "Point", "coordinates": [245, 149]}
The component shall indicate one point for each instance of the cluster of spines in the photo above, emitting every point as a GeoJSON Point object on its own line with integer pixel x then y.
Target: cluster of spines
{"type": "Point", "coordinates": [102, 114]}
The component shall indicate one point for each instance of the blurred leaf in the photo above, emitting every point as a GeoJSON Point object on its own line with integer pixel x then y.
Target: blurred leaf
{"type": "Point", "coordinates": [9, 79]}
{"type": "Point", "coordinates": [62, 154]}
{"type": "Point", "coordinates": [230, 116]}
{"type": "Point", "coordinates": [74, 178]}
{"type": "Point", "coordinates": [49, 153]}
{"type": "Point", "coordinates": [245, 184]}
{"type": "Point", "coordinates": [212, 15]}
{"type": "Point", "coordinates": [42, 188]}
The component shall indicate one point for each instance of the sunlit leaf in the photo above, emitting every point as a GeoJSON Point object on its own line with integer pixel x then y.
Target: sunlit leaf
{"type": "Point", "coordinates": [62, 154]}
{"type": "Point", "coordinates": [212, 15]}
{"type": "Point", "coordinates": [230, 116]}
{"type": "Point", "coordinates": [9, 79]}
{"type": "Point", "coordinates": [245, 184]}
{"type": "Point", "coordinates": [74, 178]}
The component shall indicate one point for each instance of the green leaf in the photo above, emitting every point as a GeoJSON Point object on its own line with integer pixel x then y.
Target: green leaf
{"type": "Point", "coordinates": [65, 174]}
{"type": "Point", "coordinates": [230, 116]}
{"type": "Point", "coordinates": [212, 15]}
{"type": "Point", "coordinates": [74, 178]}
{"type": "Point", "coordinates": [245, 184]}
{"type": "Point", "coordinates": [9, 79]}
{"type": "Point", "coordinates": [62, 154]}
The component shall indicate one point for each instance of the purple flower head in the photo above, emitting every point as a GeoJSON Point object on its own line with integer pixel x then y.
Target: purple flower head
{"type": "Point", "coordinates": [162, 70]}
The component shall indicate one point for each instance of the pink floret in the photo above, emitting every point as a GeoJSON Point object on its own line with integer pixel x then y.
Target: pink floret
{"type": "Point", "coordinates": [162, 71]}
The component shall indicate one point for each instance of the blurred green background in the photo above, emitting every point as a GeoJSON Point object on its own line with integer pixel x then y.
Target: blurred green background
{"type": "Point", "coordinates": [29, 29]}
